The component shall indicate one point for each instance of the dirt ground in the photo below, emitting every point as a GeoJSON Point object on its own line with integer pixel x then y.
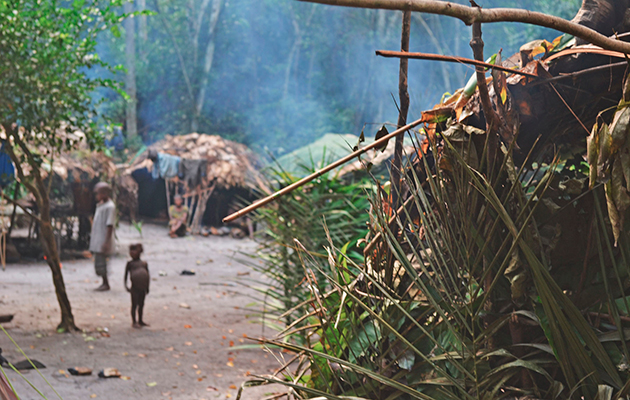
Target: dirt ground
{"type": "Point", "coordinates": [186, 353]}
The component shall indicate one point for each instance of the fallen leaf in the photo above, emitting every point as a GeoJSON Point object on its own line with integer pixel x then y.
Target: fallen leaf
{"type": "Point", "coordinates": [199, 379]}
{"type": "Point", "coordinates": [231, 330]}
{"type": "Point", "coordinates": [195, 366]}
{"type": "Point", "coordinates": [230, 364]}
{"type": "Point", "coordinates": [32, 347]}
{"type": "Point", "coordinates": [184, 305]}
{"type": "Point", "coordinates": [212, 389]}
{"type": "Point", "coordinates": [142, 355]}
{"type": "Point", "coordinates": [125, 378]}
{"type": "Point", "coordinates": [218, 375]}
{"type": "Point", "coordinates": [93, 396]}
{"type": "Point", "coordinates": [231, 343]}
{"type": "Point", "coordinates": [91, 347]}
{"type": "Point", "coordinates": [170, 348]}
{"type": "Point", "coordinates": [151, 384]}
{"type": "Point", "coordinates": [227, 395]}
{"type": "Point", "coordinates": [241, 341]}
{"type": "Point", "coordinates": [233, 387]}
{"type": "Point", "coordinates": [223, 337]}
{"type": "Point", "coordinates": [198, 372]}
{"type": "Point", "coordinates": [244, 335]}
{"type": "Point", "coordinates": [125, 354]}
{"type": "Point", "coordinates": [166, 394]}
{"type": "Point", "coordinates": [187, 326]}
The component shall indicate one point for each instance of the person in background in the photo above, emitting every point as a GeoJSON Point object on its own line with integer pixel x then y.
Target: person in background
{"type": "Point", "coordinates": [102, 236]}
{"type": "Point", "coordinates": [138, 271]}
{"type": "Point", "coordinates": [179, 215]}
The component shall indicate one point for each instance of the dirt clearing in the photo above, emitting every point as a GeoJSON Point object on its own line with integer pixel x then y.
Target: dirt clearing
{"type": "Point", "coordinates": [186, 353]}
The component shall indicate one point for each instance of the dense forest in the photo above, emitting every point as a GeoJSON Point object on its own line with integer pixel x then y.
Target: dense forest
{"type": "Point", "coordinates": [277, 74]}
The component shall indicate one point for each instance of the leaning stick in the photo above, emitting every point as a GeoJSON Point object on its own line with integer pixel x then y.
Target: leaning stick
{"type": "Point", "coordinates": [460, 60]}
{"type": "Point", "coordinates": [427, 116]}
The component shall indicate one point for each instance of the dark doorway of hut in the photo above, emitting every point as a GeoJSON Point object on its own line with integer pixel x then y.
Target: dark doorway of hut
{"type": "Point", "coordinates": [207, 205]}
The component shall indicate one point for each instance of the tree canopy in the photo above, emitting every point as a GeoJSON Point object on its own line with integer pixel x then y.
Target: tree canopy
{"type": "Point", "coordinates": [285, 73]}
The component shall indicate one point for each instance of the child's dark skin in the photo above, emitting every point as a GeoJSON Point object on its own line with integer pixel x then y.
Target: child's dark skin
{"type": "Point", "coordinates": [138, 271]}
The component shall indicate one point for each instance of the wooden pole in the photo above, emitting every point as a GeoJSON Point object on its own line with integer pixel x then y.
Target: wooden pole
{"type": "Point", "coordinates": [427, 116]}
{"type": "Point", "coordinates": [460, 60]}
{"type": "Point", "coordinates": [403, 94]}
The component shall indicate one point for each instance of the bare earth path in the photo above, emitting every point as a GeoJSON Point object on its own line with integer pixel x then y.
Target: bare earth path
{"type": "Point", "coordinates": [186, 352]}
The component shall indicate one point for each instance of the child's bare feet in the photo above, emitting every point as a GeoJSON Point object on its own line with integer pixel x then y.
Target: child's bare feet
{"type": "Point", "coordinates": [143, 324]}
{"type": "Point", "coordinates": [136, 325]}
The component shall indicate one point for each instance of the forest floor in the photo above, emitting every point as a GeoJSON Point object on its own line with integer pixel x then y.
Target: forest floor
{"type": "Point", "coordinates": [187, 351]}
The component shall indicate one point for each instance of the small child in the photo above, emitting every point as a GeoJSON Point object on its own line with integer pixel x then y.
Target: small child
{"type": "Point", "coordinates": [138, 271]}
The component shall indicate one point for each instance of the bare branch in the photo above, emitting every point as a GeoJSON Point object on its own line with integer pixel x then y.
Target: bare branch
{"type": "Point", "coordinates": [453, 59]}
{"type": "Point", "coordinates": [470, 15]}
{"type": "Point", "coordinates": [16, 204]}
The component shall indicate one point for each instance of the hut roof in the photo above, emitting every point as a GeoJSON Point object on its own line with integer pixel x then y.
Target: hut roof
{"type": "Point", "coordinates": [230, 164]}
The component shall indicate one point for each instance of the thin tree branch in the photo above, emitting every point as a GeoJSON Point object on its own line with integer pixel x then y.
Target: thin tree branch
{"type": "Point", "coordinates": [427, 116]}
{"type": "Point", "coordinates": [177, 50]}
{"type": "Point", "coordinates": [470, 15]}
{"type": "Point", "coordinates": [16, 204]}
{"type": "Point", "coordinates": [453, 59]}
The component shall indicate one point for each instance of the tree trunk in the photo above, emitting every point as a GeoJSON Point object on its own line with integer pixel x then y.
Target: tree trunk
{"type": "Point", "coordinates": [46, 233]}
{"type": "Point", "coordinates": [143, 29]}
{"type": "Point", "coordinates": [130, 64]}
{"type": "Point", "coordinates": [603, 16]}
{"type": "Point", "coordinates": [49, 244]}
{"type": "Point", "coordinates": [209, 58]}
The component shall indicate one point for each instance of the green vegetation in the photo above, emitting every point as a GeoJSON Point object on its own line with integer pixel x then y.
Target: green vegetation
{"type": "Point", "coordinates": [47, 50]}
{"type": "Point", "coordinates": [328, 209]}
{"type": "Point", "coordinates": [475, 301]}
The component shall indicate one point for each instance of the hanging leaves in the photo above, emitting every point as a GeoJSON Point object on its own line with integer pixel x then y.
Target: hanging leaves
{"type": "Point", "coordinates": [608, 155]}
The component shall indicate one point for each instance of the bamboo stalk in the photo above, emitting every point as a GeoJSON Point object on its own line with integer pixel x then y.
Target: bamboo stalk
{"type": "Point", "coordinates": [453, 59]}
{"type": "Point", "coordinates": [427, 116]}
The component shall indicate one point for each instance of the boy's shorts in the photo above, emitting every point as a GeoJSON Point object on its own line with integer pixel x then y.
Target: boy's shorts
{"type": "Point", "coordinates": [100, 264]}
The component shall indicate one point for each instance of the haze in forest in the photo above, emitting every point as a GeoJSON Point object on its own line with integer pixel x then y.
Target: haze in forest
{"type": "Point", "coordinates": [278, 74]}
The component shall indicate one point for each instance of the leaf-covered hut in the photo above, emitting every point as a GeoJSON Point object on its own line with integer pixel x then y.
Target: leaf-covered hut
{"type": "Point", "coordinates": [210, 172]}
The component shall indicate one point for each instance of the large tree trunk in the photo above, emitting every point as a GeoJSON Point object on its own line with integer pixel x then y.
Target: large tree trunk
{"type": "Point", "coordinates": [130, 64]}
{"type": "Point", "coordinates": [604, 16]}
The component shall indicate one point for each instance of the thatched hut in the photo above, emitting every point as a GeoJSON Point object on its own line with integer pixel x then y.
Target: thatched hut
{"type": "Point", "coordinates": [74, 175]}
{"type": "Point", "coordinates": [212, 175]}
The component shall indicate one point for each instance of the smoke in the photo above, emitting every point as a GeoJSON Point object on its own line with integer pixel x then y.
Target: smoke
{"type": "Point", "coordinates": [286, 72]}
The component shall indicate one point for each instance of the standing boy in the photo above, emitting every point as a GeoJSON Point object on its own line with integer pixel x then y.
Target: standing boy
{"type": "Point", "coordinates": [102, 237]}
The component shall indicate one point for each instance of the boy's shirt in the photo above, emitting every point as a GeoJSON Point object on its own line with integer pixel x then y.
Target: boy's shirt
{"type": "Point", "coordinates": [104, 216]}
